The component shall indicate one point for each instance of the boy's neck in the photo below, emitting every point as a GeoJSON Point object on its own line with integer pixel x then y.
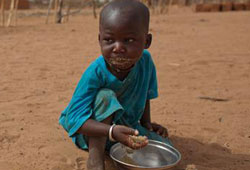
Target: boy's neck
{"type": "Point", "coordinates": [121, 75]}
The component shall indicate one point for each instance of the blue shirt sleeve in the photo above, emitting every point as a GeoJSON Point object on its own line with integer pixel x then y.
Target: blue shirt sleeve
{"type": "Point", "coordinates": [80, 107]}
{"type": "Point", "coordinates": [153, 86]}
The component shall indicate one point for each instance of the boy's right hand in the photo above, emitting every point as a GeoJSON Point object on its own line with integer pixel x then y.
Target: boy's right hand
{"type": "Point", "coordinates": [122, 135]}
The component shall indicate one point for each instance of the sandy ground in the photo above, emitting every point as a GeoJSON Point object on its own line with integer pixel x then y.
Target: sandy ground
{"type": "Point", "coordinates": [197, 56]}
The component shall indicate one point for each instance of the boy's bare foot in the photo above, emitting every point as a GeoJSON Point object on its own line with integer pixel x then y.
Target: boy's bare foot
{"type": "Point", "coordinates": [95, 160]}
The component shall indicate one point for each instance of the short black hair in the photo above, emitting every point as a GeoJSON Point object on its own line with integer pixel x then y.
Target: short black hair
{"type": "Point", "coordinates": [132, 7]}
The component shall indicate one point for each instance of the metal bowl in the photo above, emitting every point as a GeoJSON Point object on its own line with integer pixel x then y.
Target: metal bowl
{"type": "Point", "coordinates": [155, 156]}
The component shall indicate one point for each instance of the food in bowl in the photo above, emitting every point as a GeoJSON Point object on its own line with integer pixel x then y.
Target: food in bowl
{"type": "Point", "coordinates": [138, 139]}
{"type": "Point", "coordinates": [135, 140]}
{"type": "Point", "coordinates": [128, 160]}
{"type": "Point", "coordinates": [155, 156]}
{"type": "Point", "coordinates": [128, 151]}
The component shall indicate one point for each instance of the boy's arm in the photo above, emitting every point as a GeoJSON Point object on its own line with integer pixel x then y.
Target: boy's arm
{"type": "Point", "coordinates": [146, 118]}
{"type": "Point", "coordinates": [94, 128]}
{"type": "Point", "coordinates": [120, 133]}
{"type": "Point", "coordinates": [146, 122]}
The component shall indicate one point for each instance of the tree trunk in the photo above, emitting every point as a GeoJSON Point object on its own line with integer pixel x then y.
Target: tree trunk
{"type": "Point", "coordinates": [16, 8]}
{"type": "Point", "coordinates": [2, 12]}
{"type": "Point", "coordinates": [169, 5]}
{"type": "Point", "coordinates": [59, 12]}
{"type": "Point", "coordinates": [94, 6]}
{"type": "Point", "coordinates": [11, 12]}
{"type": "Point", "coordinates": [55, 10]}
{"type": "Point", "coordinates": [49, 8]}
{"type": "Point", "coordinates": [68, 11]}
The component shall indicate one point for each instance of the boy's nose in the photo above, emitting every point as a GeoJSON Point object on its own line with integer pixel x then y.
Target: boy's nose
{"type": "Point", "coordinates": [119, 47]}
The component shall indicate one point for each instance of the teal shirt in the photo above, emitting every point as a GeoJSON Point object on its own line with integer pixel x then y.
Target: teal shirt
{"type": "Point", "coordinates": [132, 93]}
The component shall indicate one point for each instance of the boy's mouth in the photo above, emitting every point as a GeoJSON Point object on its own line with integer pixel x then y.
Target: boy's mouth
{"type": "Point", "coordinates": [120, 68]}
{"type": "Point", "coordinates": [122, 64]}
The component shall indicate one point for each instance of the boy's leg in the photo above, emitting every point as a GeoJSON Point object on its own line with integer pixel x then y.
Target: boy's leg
{"type": "Point", "coordinates": [105, 105]}
{"type": "Point", "coordinates": [96, 150]}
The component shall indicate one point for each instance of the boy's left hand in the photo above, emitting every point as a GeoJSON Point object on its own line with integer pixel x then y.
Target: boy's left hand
{"type": "Point", "coordinates": [157, 128]}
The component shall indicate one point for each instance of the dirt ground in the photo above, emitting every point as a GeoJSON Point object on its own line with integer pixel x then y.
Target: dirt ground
{"type": "Point", "coordinates": [200, 57]}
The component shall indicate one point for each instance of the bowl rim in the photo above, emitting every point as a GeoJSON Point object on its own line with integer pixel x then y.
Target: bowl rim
{"type": "Point", "coordinates": [136, 166]}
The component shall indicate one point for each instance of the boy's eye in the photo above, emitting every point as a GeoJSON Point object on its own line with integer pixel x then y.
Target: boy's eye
{"type": "Point", "coordinates": [108, 40]}
{"type": "Point", "coordinates": [129, 40]}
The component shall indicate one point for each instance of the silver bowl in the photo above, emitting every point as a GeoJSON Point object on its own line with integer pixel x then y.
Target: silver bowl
{"type": "Point", "coordinates": [155, 156]}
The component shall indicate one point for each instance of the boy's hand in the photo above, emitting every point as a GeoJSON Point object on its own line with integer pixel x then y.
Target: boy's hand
{"type": "Point", "coordinates": [160, 130]}
{"type": "Point", "coordinates": [122, 134]}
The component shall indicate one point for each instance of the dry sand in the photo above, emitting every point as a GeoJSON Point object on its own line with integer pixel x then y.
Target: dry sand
{"type": "Point", "coordinates": [196, 54]}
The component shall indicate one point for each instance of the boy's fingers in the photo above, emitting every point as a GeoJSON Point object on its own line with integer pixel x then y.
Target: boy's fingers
{"type": "Point", "coordinates": [150, 128]}
{"type": "Point", "coordinates": [160, 131]}
{"type": "Point", "coordinates": [164, 134]}
{"type": "Point", "coordinates": [132, 132]}
{"type": "Point", "coordinates": [156, 127]}
{"type": "Point", "coordinates": [134, 145]}
{"type": "Point", "coordinates": [139, 146]}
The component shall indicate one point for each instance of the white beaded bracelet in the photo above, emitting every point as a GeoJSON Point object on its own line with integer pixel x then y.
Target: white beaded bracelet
{"type": "Point", "coordinates": [110, 133]}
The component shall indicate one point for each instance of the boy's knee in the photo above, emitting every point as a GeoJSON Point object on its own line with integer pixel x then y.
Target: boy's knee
{"type": "Point", "coordinates": [105, 104]}
{"type": "Point", "coordinates": [104, 96]}
{"type": "Point", "coordinates": [105, 93]}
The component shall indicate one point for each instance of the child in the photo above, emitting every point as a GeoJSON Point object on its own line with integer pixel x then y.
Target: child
{"type": "Point", "coordinates": [112, 100]}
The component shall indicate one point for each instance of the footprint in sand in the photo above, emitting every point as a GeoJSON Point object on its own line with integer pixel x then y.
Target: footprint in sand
{"type": "Point", "coordinates": [63, 163]}
{"type": "Point", "coordinates": [80, 164]}
{"type": "Point", "coordinates": [191, 167]}
{"type": "Point", "coordinates": [62, 167]}
{"type": "Point", "coordinates": [6, 139]}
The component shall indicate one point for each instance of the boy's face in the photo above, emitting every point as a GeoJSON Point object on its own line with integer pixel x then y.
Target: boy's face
{"type": "Point", "coordinates": [122, 41]}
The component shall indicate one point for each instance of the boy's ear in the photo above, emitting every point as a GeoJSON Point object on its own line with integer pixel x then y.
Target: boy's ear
{"type": "Point", "coordinates": [148, 41]}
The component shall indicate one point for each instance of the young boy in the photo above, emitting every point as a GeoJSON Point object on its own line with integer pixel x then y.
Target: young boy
{"type": "Point", "coordinates": [112, 100]}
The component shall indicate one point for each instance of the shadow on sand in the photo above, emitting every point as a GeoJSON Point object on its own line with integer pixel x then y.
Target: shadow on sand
{"type": "Point", "coordinates": [208, 156]}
